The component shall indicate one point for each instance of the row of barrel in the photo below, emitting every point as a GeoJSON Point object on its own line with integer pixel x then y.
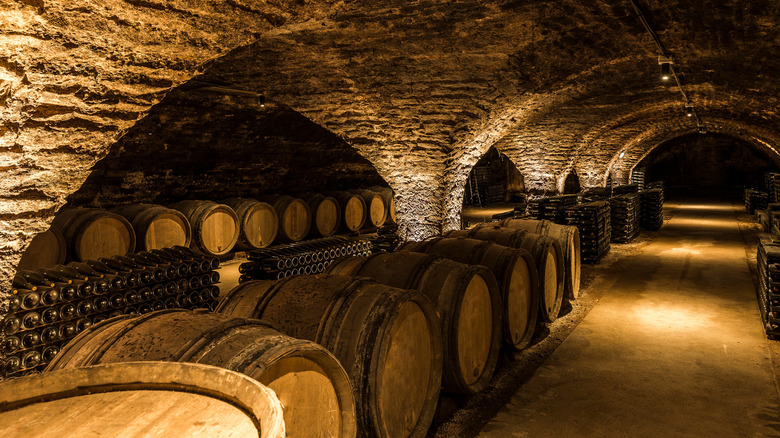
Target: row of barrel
{"type": "Point", "coordinates": [208, 227]}
{"type": "Point", "coordinates": [364, 356]}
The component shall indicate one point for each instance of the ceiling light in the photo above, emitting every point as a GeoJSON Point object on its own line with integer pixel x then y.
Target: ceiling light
{"type": "Point", "coordinates": [689, 110]}
{"type": "Point", "coordinates": [622, 154]}
{"type": "Point", "coordinates": [666, 67]}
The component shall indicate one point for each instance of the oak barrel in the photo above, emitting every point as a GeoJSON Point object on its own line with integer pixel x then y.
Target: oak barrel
{"type": "Point", "coordinates": [258, 222]}
{"type": "Point", "coordinates": [546, 252]}
{"type": "Point", "coordinates": [468, 301]}
{"type": "Point", "coordinates": [389, 197]}
{"type": "Point", "coordinates": [46, 249]}
{"type": "Point", "coordinates": [325, 214]}
{"type": "Point", "coordinates": [309, 381]}
{"type": "Point", "coordinates": [149, 399]}
{"type": "Point", "coordinates": [515, 271]}
{"type": "Point", "coordinates": [156, 226]}
{"type": "Point", "coordinates": [353, 210]}
{"type": "Point", "coordinates": [294, 217]}
{"type": "Point", "coordinates": [569, 238]}
{"type": "Point", "coordinates": [214, 226]}
{"type": "Point", "coordinates": [92, 233]}
{"type": "Point", "coordinates": [388, 340]}
{"type": "Point", "coordinates": [376, 210]}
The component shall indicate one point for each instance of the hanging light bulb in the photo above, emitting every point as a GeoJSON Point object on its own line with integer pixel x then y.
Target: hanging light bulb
{"type": "Point", "coordinates": [689, 110]}
{"type": "Point", "coordinates": [666, 67]}
{"type": "Point", "coordinates": [622, 154]}
{"type": "Point", "coordinates": [262, 101]}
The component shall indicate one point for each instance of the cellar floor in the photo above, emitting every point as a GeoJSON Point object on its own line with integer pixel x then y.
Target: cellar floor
{"type": "Point", "coordinates": [672, 344]}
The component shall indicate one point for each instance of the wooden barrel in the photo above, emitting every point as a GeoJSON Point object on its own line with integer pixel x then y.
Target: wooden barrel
{"type": "Point", "coordinates": [388, 339]}
{"type": "Point", "coordinates": [92, 233]}
{"type": "Point", "coordinates": [353, 210]}
{"type": "Point", "coordinates": [515, 271]}
{"type": "Point", "coordinates": [156, 226]}
{"type": "Point", "coordinates": [149, 399]}
{"type": "Point", "coordinates": [325, 214]}
{"type": "Point", "coordinates": [468, 301]}
{"type": "Point", "coordinates": [294, 217]}
{"type": "Point", "coordinates": [309, 381]}
{"type": "Point", "coordinates": [569, 239]}
{"type": "Point", "coordinates": [389, 197]}
{"type": "Point", "coordinates": [546, 252]}
{"type": "Point", "coordinates": [214, 226]}
{"type": "Point", "coordinates": [376, 211]}
{"type": "Point", "coordinates": [258, 222]}
{"type": "Point", "coordinates": [46, 249]}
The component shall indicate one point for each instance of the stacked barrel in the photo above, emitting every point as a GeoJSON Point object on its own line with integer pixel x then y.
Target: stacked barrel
{"type": "Point", "coordinates": [49, 306]}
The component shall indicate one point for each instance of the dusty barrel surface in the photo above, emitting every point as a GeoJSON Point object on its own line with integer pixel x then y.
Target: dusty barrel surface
{"type": "Point", "coordinates": [46, 249]}
{"type": "Point", "coordinates": [389, 198]}
{"type": "Point", "coordinates": [569, 239]}
{"type": "Point", "coordinates": [353, 210]}
{"type": "Point", "coordinates": [388, 340]}
{"type": "Point", "coordinates": [325, 213]}
{"type": "Point", "coordinates": [309, 381]}
{"type": "Point", "coordinates": [92, 233]}
{"type": "Point", "coordinates": [468, 301]}
{"type": "Point", "coordinates": [214, 226]}
{"type": "Point", "coordinates": [294, 217]}
{"type": "Point", "coordinates": [515, 271]}
{"type": "Point", "coordinates": [258, 222]}
{"type": "Point", "coordinates": [546, 252]}
{"type": "Point", "coordinates": [156, 226]}
{"type": "Point", "coordinates": [150, 399]}
{"type": "Point", "coordinates": [376, 211]}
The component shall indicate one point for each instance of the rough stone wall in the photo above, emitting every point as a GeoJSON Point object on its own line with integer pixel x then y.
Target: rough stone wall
{"type": "Point", "coordinates": [198, 144]}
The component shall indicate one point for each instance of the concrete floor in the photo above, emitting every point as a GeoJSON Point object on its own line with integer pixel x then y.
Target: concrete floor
{"type": "Point", "coordinates": [673, 348]}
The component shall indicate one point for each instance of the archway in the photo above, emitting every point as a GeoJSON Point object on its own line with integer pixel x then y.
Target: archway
{"type": "Point", "coordinates": [709, 166]}
{"type": "Point", "coordinates": [494, 180]}
{"type": "Point", "coordinates": [572, 183]}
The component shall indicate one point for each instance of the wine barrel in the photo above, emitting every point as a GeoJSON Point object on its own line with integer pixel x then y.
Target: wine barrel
{"type": "Point", "coordinates": [258, 222]}
{"type": "Point", "coordinates": [568, 237]}
{"type": "Point", "coordinates": [546, 252]}
{"type": "Point", "coordinates": [294, 217]}
{"type": "Point", "coordinates": [376, 211]}
{"type": "Point", "coordinates": [149, 399]}
{"type": "Point", "coordinates": [353, 210]}
{"type": "Point", "coordinates": [389, 197]}
{"type": "Point", "coordinates": [214, 226]}
{"type": "Point", "coordinates": [156, 226]}
{"type": "Point", "coordinates": [46, 249]}
{"type": "Point", "coordinates": [325, 213]}
{"type": "Point", "coordinates": [515, 271]}
{"type": "Point", "coordinates": [388, 339]}
{"type": "Point", "coordinates": [468, 301]}
{"type": "Point", "coordinates": [309, 381]}
{"type": "Point", "coordinates": [92, 233]}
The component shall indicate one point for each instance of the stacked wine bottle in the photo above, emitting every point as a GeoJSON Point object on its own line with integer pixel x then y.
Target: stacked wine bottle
{"type": "Point", "coordinates": [51, 306]}
{"type": "Point", "coordinates": [309, 257]}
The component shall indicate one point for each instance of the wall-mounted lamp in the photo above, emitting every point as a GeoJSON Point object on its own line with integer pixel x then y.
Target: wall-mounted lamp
{"type": "Point", "coordinates": [702, 130]}
{"type": "Point", "coordinates": [622, 154]}
{"type": "Point", "coordinates": [666, 67]}
{"type": "Point", "coordinates": [689, 110]}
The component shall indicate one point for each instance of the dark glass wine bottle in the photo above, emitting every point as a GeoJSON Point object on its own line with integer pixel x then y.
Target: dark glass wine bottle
{"type": "Point", "coordinates": [30, 280]}
{"type": "Point", "coordinates": [31, 359]}
{"type": "Point", "coordinates": [30, 320]}
{"type": "Point", "coordinates": [67, 330]}
{"type": "Point", "coordinates": [30, 339]}
{"type": "Point", "coordinates": [11, 324]}
{"type": "Point", "coordinates": [116, 300]}
{"type": "Point", "coordinates": [50, 335]}
{"type": "Point", "coordinates": [99, 318]}
{"type": "Point", "coordinates": [49, 353]}
{"type": "Point", "coordinates": [50, 315]}
{"type": "Point", "coordinates": [68, 311]}
{"type": "Point", "coordinates": [131, 297]}
{"type": "Point", "coordinates": [84, 307]}
{"type": "Point", "coordinates": [83, 324]}
{"type": "Point", "coordinates": [30, 300]}
{"type": "Point", "coordinates": [11, 344]}
{"type": "Point", "coordinates": [101, 304]}
{"type": "Point", "coordinates": [144, 308]}
{"type": "Point", "coordinates": [49, 297]}
{"type": "Point", "coordinates": [116, 282]}
{"type": "Point", "coordinates": [12, 364]}
{"type": "Point", "coordinates": [14, 303]}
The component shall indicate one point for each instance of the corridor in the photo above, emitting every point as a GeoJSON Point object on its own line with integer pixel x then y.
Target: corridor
{"type": "Point", "coordinates": [675, 348]}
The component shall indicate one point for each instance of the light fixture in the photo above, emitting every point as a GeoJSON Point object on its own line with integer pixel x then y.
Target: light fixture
{"type": "Point", "coordinates": [622, 154]}
{"type": "Point", "coordinates": [689, 110]}
{"type": "Point", "coordinates": [666, 67]}
{"type": "Point", "coordinates": [702, 130]}
{"type": "Point", "coordinates": [262, 100]}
